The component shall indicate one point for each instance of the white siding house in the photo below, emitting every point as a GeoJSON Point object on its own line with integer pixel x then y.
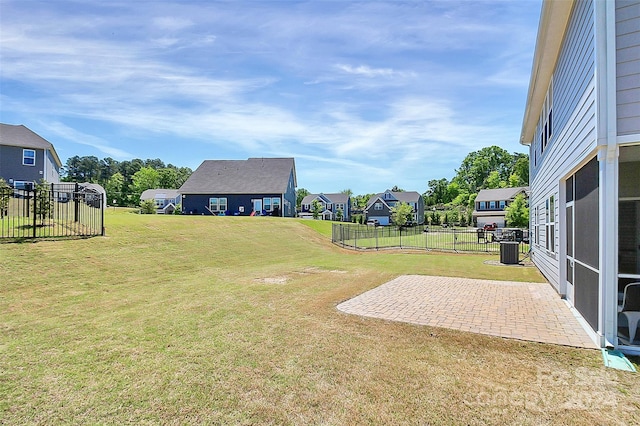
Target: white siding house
{"type": "Point", "coordinates": [582, 124]}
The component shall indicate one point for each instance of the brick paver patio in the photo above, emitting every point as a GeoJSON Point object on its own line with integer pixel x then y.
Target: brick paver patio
{"type": "Point", "coordinates": [525, 311]}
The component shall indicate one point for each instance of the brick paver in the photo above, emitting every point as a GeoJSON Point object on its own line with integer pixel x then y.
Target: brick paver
{"type": "Point", "coordinates": [525, 311]}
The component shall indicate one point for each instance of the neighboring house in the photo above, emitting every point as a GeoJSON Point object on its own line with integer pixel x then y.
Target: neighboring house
{"type": "Point", "coordinates": [380, 205]}
{"type": "Point", "coordinates": [166, 200]}
{"type": "Point", "coordinates": [257, 186]}
{"type": "Point", "coordinates": [330, 204]}
{"type": "Point", "coordinates": [490, 204]}
{"type": "Point", "coordinates": [582, 124]}
{"type": "Point", "coordinates": [26, 158]}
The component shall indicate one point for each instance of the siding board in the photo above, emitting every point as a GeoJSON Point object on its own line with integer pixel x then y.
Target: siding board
{"type": "Point", "coordinates": [628, 66]}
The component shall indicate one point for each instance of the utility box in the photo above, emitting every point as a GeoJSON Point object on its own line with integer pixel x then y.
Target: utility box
{"type": "Point", "coordinates": [509, 252]}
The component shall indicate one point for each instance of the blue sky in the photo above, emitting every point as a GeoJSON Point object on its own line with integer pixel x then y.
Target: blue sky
{"type": "Point", "coordinates": [364, 95]}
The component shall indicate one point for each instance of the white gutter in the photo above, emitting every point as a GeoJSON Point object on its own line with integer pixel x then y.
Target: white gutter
{"type": "Point", "coordinates": [553, 24]}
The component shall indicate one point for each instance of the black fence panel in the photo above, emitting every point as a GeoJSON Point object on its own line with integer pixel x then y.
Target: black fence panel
{"type": "Point", "coordinates": [363, 237]}
{"type": "Point", "coordinates": [60, 210]}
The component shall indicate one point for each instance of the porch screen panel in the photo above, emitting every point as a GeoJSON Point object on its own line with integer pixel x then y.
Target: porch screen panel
{"type": "Point", "coordinates": [586, 294]}
{"type": "Point", "coordinates": [586, 236]}
{"type": "Point", "coordinates": [587, 216]}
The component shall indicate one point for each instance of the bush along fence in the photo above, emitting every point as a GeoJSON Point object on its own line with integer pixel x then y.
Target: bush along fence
{"type": "Point", "coordinates": [51, 210]}
{"type": "Point", "coordinates": [362, 237]}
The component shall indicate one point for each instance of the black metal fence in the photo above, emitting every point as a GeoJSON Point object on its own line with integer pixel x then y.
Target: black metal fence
{"type": "Point", "coordinates": [362, 237]}
{"type": "Point", "coordinates": [59, 210]}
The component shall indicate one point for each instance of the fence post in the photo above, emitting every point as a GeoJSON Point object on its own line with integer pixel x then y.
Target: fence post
{"type": "Point", "coordinates": [400, 231]}
{"type": "Point", "coordinates": [103, 198]}
{"type": "Point", "coordinates": [35, 209]}
{"type": "Point", "coordinates": [455, 240]}
{"type": "Point", "coordinates": [76, 204]}
{"type": "Point", "coordinates": [375, 232]}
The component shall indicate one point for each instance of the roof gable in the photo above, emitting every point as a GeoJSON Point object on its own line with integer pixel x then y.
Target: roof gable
{"type": "Point", "coordinates": [23, 137]}
{"type": "Point", "coordinates": [252, 176]}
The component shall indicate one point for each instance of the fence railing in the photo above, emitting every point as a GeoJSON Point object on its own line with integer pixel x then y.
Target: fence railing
{"type": "Point", "coordinates": [363, 237]}
{"type": "Point", "coordinates": [60, 210]}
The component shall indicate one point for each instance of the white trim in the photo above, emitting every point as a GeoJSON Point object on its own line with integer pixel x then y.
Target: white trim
{"type": "Point", "coordinates": [35, 156]}
{"type": "Point", "coordinates": [608, 153]}
{"type": "Point", "coordinates": [630, 276]}
{"type": "Point", "coordinates": [628, 139]}
{"type": "Point", "coordinates": [591, 268]}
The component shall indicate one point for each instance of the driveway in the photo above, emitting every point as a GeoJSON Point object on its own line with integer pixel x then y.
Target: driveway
{"type": "Point", "coordinates": [516, 310]}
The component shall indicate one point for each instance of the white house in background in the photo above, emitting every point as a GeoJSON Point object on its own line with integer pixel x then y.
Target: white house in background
{"type": "Point", "coordinates": [166, 199]}
{"type": "Point", "coordinates": [330, 204]}
{"type": "Point", "coordinates": [490, 204]}
{"type": "Point", "coordinates": [582, 124]}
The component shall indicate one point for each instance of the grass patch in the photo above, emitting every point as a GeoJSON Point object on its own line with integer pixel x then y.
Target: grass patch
{"type": "Point", "coordinates": [232, 320]}
{"type": "Point", "coordinates": [321, 226]}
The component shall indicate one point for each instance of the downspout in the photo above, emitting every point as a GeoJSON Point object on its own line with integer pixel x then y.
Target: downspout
{"type": "Point", "coordinates": [605, 26]}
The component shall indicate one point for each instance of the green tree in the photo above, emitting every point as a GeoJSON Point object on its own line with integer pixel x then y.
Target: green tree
{"type": "Point", "coordinates": [43, 200]}
{"type": "Point", "coordinates": [437, 192]}
{"type": "Point", "coordinates": [517, 213]}
{"type": "Point", "coordinates": [435, 218]}
{"type": "Point", "coordinates": [339, 215]}
{"type": "Point", "coordinates": [347, 191]}
{"type": "Point", "coordinates": [521, 168]}
{"type": "Point", "coordinates": [493, 181]}
{"type": "Point", "coordinates": [401, 213]}
{"type": "Point", "coordinates": [396, 188]}
{"type": "Point", "coordinates": [168, 178]}
{"type": "Point", "coordinates": [5, 196]}
{"type": "Point", "coordinates": [477, 165]}
{"type": "Point", "coordinates": [148, 207]}
{"type": "Point", "coordinates": [316, 209]}
{"type": "Point", "coordinates": [143, 179]}
{"type": "Point", "coordinates": [114, 189]}
{"type": "Point", "coordinates": [300, 194]}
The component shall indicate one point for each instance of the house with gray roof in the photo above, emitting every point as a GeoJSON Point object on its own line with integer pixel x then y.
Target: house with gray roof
{"type": "Point", "coordinates": [330, 205]}
{"type": "Point", "coordinates": [490, 205]}
{"type": "Point", "coordinates": [379, 206]}
{"type": "Point", "coordinates": [165, 200]}
{"type": "Point", "coordinates": [257, 186]}
{"type": "Point", "coordinates": [26, 158]}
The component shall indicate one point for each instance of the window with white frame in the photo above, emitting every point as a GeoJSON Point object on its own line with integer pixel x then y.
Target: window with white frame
{"type": "Point", "coordinates": [275, 204]}
{"type": "Point", "coordinates": [545, 125]}
{"type": "Point", "coordinates": [534, 218]}
{"type": "Point", "coordinates": [492, 205]}
{"type": "Point", "coordinates": [28, 157]}
{"type": "Point", "coordinates": [266, 204]}
{"type": "Point", "coordinates": [377, 206]}
{"type": "Point", "coordinates": [483, 205]}
{"type": "Point", "coordinates": [550, 225]}
{"type": "Point", "coordinates": [502, 204]}
{"type": "Point", "coordinates": [217, 204]}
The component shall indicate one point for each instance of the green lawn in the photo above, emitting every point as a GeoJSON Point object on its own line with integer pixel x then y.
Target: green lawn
{"type": "Point", "coordinates": [232, 320]}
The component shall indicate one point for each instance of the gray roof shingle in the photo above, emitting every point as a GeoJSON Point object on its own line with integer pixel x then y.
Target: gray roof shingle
{"type": "Point", "coordinates": [252, 176]}
{"type": "Point", "coordinates": [500, 193]}
{"type": "Point", "coordinates": [334, 198]}
{"type": "Point", "coordinates": [21, 136]}
{"type": "Point", "coordinates": [151, 194]}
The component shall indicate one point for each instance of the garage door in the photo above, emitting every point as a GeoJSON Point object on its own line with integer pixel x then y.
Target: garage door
{"type": "Point", "coordinates": [382, 220]}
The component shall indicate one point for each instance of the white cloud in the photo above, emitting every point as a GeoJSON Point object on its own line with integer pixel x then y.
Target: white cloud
{"type": "Point", "coordinates": [366, 71]}
{"type": "Point", "coordinates": [73, 135]}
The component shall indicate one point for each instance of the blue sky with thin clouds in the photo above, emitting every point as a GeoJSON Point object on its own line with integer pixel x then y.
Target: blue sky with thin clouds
{"type": "Point", "coordinates": [364, 95]}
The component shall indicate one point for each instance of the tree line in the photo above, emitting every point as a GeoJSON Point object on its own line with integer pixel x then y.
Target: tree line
{"type": "Point", "coordinates": [125, 181]}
